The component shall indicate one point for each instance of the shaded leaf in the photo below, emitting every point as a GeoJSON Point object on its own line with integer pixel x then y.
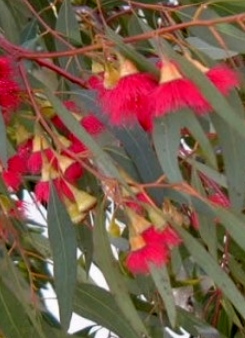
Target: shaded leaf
{"type": "Point", "coordinates": [8, 24]}
{"type": "Point", "coordinates": [20, 289]}
{"type": "Point", "coordinates": [63, 244]}
{"type": "Point", "coordinates": [162, 282]}
{"type": "Point", "coordinates": [233, 153]}
{"type": "Point", "coordinates": [14, 322]}
{"type": "Point", "coordinates": [211, 267]}
{"type": "Point", "coordinates": [113, 277]}
{"type": "Point", "coordinates": [166, 138]}
{"type": "Point", "coordinates": [137, 144]}
{"type": "Point", "coordinates": [98, 305]}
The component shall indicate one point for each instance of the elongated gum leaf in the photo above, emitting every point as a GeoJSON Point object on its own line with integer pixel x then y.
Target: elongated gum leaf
{"type": "Point", "coordinates": [63, 244]}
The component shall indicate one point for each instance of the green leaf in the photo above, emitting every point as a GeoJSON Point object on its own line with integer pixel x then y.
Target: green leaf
{"type": "Point", "coordinates": [191, 122]}
{"type": "Point", "coordinates": [166, 138]}
{"type": "Point", "coordinates": [98, 305]}
{"type": "Point", "coordinates": [232, 36]}
{"type": "Point", "coordinates": [8, 24]}
{"type": "Point", "coordinates": [195, 325]}
{"type": "Point", "coordinates": [233, 154]}
{"type": "Point", "coordinates": [108, 266]}
{"type": "Point", "coordinates": [138, 146]}
{"type": "Point", "coordinates": [73, 125]}
{"type": "Point", "coordinates": [162, 282]}
{"type": "Point", "coordinates": [3, 141]}
{"type": "Point", "coordinates": [207, 228]}
{"type": "Point", "coordinates": [233, 224]}
{"type": "Point", "coordinates": [18, 286]}
{"type": "Point", "coordinates": [211, 267]}
{"type": "Point", "coordinates": [85, 244]}
{"type": "Point", "coordinates": [63, 244]}
{"type": "Point", "coordinates": [67, 23]}
{"type": "Point", "coordinates": [14, 322]}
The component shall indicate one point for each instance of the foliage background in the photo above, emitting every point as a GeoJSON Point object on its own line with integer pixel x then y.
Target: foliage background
{"type": "Point", "coordinates": [54, 46]}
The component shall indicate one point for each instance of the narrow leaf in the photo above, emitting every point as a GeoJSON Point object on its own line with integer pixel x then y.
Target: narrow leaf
{"type": "Point", "coordinates": [232, 223]}
{"type": "Point", "coordinates": [98, 305]}
{"type": "Point", "coordinates": [14, 322]}
{"type": "Point", "coordinates": [166, 138]}
{"type": "Point", "coordinates": [232, 145]}
{"type": "Point", "coordinates": [20, 289]}
{"type": "Point", "coordinates": [63, 244]}
{"type": "Point", "coordinates": [211, 267]}
{"type": "Point", "coordinates": [113, 277]}
{"type": "Point", "coordinates": [137, 145]}
{"type": "Point", "coordinates": [67, 23]}
{"type": "Point", "coordinates": [162, 282]}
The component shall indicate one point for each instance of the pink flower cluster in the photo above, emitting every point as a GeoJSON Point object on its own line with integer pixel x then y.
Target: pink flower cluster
{"type": "Point", "coordinates": [140, 97]}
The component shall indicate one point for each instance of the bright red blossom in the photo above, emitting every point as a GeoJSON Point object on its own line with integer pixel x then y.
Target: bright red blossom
{"type": "Point", "coordinates": [166, 237]}
{"type": "Point", "coordinates": [42, 190]}
{"type": "Point", "coordinates": [176, 92]}
{"type": "Point", "coordinates": [12, 179]}
{"type": "Point", "coordinates": [9, 89]}
{"type": "Point", "coordinates": [129, 100]}
{"type": "Point", "coordinates": [223, 78]}
{"type": "Point", "coordinates": [138, 261]}
{"type": "Point", "coordinates": [92, 125]}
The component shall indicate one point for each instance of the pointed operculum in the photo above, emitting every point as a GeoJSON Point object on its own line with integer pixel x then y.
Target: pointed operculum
{"type": "Point", "coordinates": [83, 200]}
{"type": "Point", "coordinates": [169, 72]}
{"type": "Point", "coordinates": [156, 217]}
{"type": "Point", "coordinates": [137, 242]}
{"type": "Point", "coordinates": [111, 76]}
{"type": "Point", "coordinates": [39, 143]}
{"type": "Point", "coordinates": [126, 67]}
{"type": "Point", "coordinates": [198, 65]}
{"type": "Point", "coordinates": [138, 223]}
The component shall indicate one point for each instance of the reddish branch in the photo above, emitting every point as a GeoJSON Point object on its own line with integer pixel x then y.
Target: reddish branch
{"type": "Point", "coordinates": [25, 54]}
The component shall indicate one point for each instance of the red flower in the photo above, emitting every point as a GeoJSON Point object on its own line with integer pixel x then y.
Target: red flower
{"type": "Point", "coordinates": [12, 179]}
{"type": "Point", "coordinates": [9, 89]}
{"type": "Point", "coordinates": [223, 78]}
{"type": "Point", "coordinates": [42, 190]}
{"type": "Point", "coordinates": [142, 254]}
{"type": "Point", "coordinates": [73, 172]}
{"type": "Point", "coordinates": [220, 199]}
{"type": "Point", "coordinates": [129, 100]}
{"type": "Point", "coordinates": [35, 161]}
{"type": "Point", "coordinates": [18, 163]}
{"type": "Point", "coordinates": [92, 125]}
{"type": "Point", "coordinates": [175, 92]}
{"type": "Point", "coordinates": [166, 237]}
{"type": "Point", "coordinates": [76, 145]}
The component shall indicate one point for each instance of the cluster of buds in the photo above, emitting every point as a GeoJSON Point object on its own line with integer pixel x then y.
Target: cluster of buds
{"type": "Point", "coordinates": [132, 96]}
{"type": "Point", "coordinates": [63, 166]}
